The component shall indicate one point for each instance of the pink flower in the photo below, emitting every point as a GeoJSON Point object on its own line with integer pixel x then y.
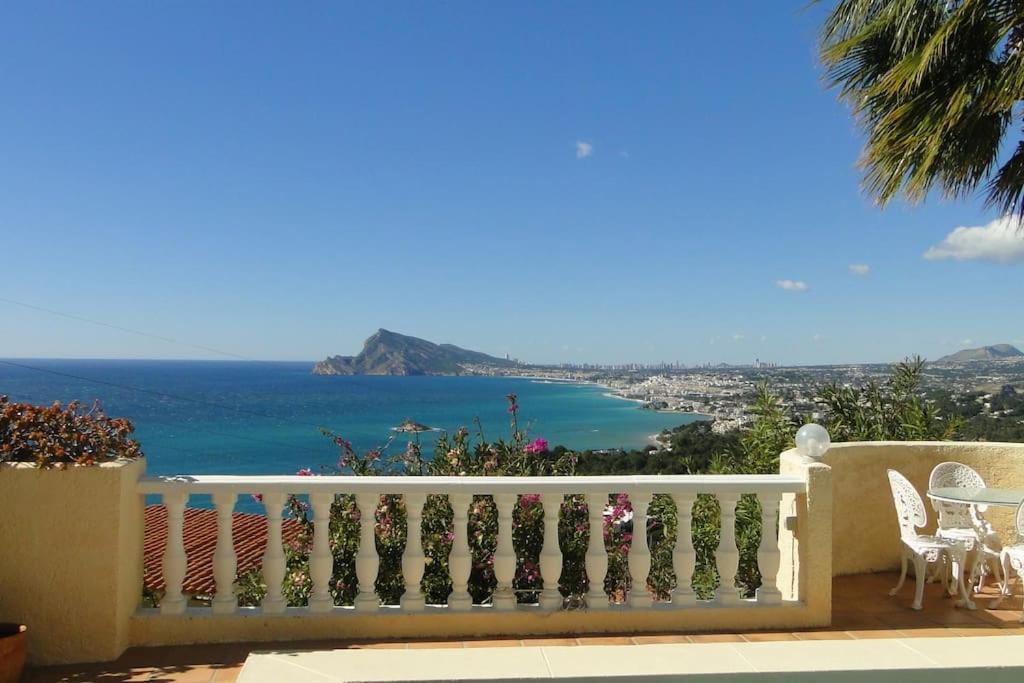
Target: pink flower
{"type": "Point", "coordinates": [528, 499]}
{"type": "Point", "coordinates": [305, 472]}
{"type": "Point", "coordinates": [537, 446]}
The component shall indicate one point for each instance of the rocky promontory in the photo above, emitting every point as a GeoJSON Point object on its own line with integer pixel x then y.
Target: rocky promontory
{"type": "Point", "coordinates": [391, 353]}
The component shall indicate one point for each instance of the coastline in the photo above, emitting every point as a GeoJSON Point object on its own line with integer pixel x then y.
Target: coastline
{"type": "Point", "coordinates": [612, 394]}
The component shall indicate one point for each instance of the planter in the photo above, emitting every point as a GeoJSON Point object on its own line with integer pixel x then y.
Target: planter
{"type": "Point", "coordinates": [12, 652]}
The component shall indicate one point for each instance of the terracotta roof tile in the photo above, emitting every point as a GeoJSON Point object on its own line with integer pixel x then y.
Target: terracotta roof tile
{"type": "Point", "coordinates": [250, 540]}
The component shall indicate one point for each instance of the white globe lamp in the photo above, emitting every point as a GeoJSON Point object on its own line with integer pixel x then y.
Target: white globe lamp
{"type": "Point", "coordinates": [812, 440]}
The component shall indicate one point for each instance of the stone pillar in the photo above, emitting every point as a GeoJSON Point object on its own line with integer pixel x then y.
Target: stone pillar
{"type": "Point", "coordinates": [71, 558]}
{"type": "Point", "coordinates": [805, 537]}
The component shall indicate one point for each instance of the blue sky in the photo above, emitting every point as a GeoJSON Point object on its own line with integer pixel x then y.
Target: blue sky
{"type": "Point", "coordinates": [599, 182]}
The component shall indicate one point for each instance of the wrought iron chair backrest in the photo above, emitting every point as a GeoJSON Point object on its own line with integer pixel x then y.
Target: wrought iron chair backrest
{"type": "Point", "coordinates": [956, 515]}
{"type": "Point", "coordinates": [910, 512]}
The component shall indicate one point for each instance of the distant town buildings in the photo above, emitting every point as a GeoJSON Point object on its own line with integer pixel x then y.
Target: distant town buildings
{"type": "Point", "coordinates": [726, 392]}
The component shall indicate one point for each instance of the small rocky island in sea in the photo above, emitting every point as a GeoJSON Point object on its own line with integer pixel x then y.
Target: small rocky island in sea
{"type": "Point", "coordinates": [390, 353]}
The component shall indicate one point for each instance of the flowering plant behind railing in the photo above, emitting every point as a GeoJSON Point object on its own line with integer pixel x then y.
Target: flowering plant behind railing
{"type": "Point", "coordinates": [58, 436]}
{"type": "Point", "coordinates": [457, 455]}
{"type": "Point", "coordinates": [454, 455]}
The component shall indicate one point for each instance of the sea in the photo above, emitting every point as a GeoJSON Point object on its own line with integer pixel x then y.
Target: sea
{"type": "Point", "coordinates": [241, 417]}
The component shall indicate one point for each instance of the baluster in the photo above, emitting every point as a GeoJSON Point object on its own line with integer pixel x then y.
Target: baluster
{"type": "Point", "coordinates": [460, 561]}
{"type": "Point", "coordinates": [224, 560]}
{"type": "Point", "coordinates": [367, 561]}
{"type": "Point", "coordinates": [504, 553]}
{"type": "Point", "coordinates": [175, 561]}
{"type": "Point", "coordinates": [640, 553]}
{"type": "Point", "coordinates": [412, 560]}
{"type": "Point", "coordinates": [768, 555]}
{"type": "Point", "coordinates": [551, 553]}
{"type": "Point", "coordinates": [727, 556]}
{"type": "Point", "coordinates": [273, 556]}
{"type": "Point", "coordinates": [321, 560]}
{"type": "Point", "coordinates": [597, 556]}
{"type": "Point", "coordinates": [684, 559]}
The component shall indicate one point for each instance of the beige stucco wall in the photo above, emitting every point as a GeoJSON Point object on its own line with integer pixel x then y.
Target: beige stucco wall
{"type": "Point", "coordinates": [865, 536]}
{"type": "Point", "coordinates": [205, 627]}
{"type": "Point", "coordinates": [71, 558]}
{"type": "Point", "coordinates": [805, 569]}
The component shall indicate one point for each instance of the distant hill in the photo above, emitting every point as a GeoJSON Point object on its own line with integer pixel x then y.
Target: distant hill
{"type": "Point", "coordinates": [390, 353]}
{"type": "Point", "coordinates": [997, 352]}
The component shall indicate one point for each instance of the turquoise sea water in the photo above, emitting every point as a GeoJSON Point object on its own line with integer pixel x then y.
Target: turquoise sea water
{"type": "Point", "coordinates": [263, 418]}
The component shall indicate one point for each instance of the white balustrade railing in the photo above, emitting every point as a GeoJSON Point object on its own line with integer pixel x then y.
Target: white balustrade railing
{"type": "Point", "coordinates": [323, 491]}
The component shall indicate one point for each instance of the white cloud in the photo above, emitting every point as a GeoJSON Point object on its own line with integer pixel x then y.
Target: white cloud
{"type": "Point", "coordinates": [817, 337]}
{"type": "Point", "coordinates": [583, 149]}
{"type": "Point", "coordinates": [764, 338]}
{"type": "Point", "coordinates": [966, 342]}
{"type": "Point", "coordinates": [792, 285]}
{"type": "Point", "coordinates": [860, 268]}
{"type": "Point", "coordinates": [1001, 241]}
{"type": "Point", "coordinates": [737, 337]}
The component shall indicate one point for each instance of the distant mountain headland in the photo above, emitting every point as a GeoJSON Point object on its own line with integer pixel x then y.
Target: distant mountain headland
{"type": "Point", "coordinates": [997, 352]}
{"type": "Point", "coordinates": [390, 353]}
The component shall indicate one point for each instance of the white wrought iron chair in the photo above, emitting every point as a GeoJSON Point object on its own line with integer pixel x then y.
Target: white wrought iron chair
{"type": "Point", "coordinates": [1012, 559]}
{"type": "Point", "coordinates": [920, 549]}
{"type": "Point", "coordinates": [961, 522]}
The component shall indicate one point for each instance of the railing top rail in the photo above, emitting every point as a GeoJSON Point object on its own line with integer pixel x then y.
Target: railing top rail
{"type": "Point", "coordinates": [700, 483]}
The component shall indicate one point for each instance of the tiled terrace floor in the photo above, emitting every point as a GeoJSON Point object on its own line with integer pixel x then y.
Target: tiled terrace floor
{"type": "Point", "coordinates": [862, 609]}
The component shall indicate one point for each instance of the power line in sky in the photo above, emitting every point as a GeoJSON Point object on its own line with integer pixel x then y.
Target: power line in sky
{"type": "Point", "coordinates": [120, 328]}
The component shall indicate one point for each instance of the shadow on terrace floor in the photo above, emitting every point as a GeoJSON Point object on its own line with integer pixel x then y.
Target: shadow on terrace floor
{"type": "Point", "coordinates": [862, 609]}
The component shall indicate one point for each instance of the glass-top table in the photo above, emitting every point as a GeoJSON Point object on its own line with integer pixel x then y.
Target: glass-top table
{"type": "Point", "coordinates": [975, 496]}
